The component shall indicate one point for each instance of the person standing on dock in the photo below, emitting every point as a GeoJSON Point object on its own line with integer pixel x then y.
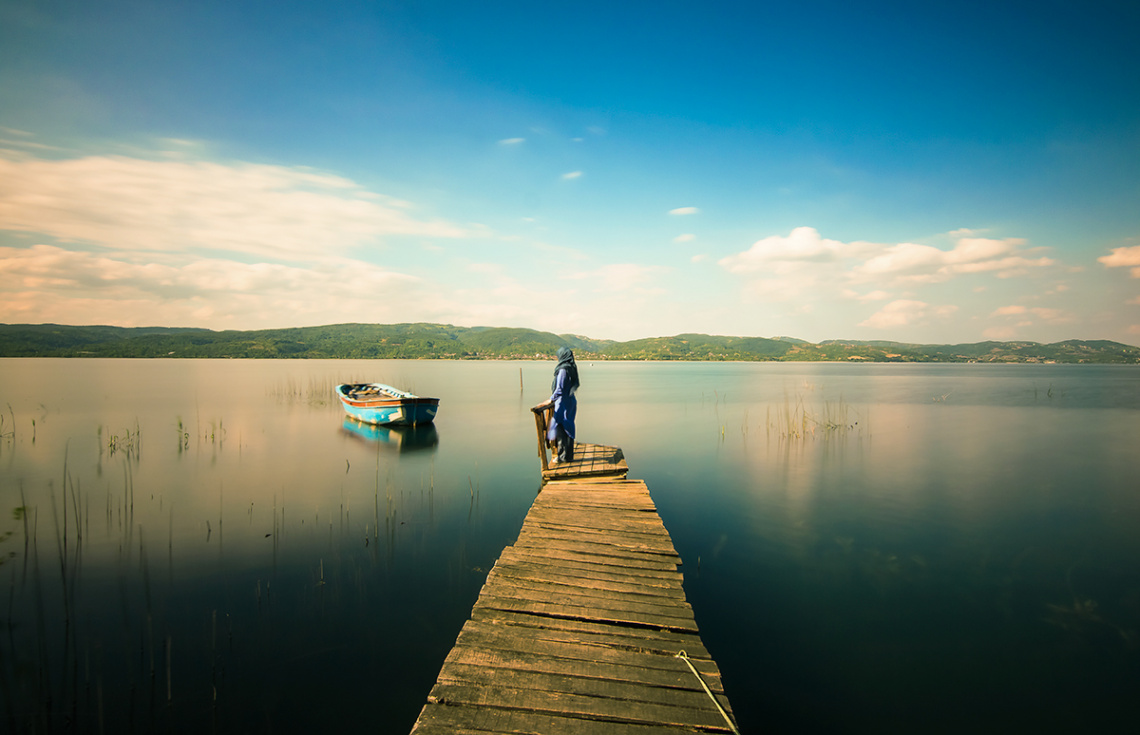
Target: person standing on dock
{"type": "Point", "coordinates": [565, 385]}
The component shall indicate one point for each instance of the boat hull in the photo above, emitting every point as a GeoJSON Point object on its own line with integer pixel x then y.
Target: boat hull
{"type": "Point", "coordinates": [387, 406]}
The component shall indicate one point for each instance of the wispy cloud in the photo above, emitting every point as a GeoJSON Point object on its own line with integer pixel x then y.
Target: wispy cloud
{"type": "Point", "coordinates": [620, 276]}
{"type": "Point", "coordinates": [1043, 313]}
{"type": "Point", "coordinates": [1123, 258]}
{"type": "Point", "coordinates": [134, 204]}
{"type": "Point", "coordinates": [512, 141]}
{"type": "Point", "coordinates": [684, 210]}
{"type": "Point", "coordinates": [687, 237]}
{"type": "Point", "coordinates": [47, 283]}
{"type": "Point", "coordinates": [907, 312]}
{"type": "Point", "coordinates": [909, 262]}
{"type": "Point", "coordinates": [572, 175]}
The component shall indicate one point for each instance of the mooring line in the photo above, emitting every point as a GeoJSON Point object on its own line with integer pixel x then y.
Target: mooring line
{"type": "Point", "coordinates": [685, 657]}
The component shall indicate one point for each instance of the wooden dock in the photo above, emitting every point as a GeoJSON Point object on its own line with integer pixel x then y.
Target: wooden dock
{"type": "Point", "coordinates": [582, 625]}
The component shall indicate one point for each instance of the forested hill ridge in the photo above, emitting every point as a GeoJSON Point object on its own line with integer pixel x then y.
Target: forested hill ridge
{"type": "Point", "coordinates": [441, 341]}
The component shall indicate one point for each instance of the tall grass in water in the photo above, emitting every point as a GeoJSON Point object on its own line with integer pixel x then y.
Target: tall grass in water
{"type": "Point", "coordinates": [95, 640]}
{"type": "Point", "coordinates": [795, 421]}
{"type": "Point", "coordinates": [316, 391]}
{"type": "Point", "coordinates": [60, 652]}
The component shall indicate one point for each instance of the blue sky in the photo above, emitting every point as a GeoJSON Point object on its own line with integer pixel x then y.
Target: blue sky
{"type": "Point", "coordinates": [927, 172]}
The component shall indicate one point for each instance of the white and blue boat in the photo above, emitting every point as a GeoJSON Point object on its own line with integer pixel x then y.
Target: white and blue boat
{"type": "Point", "coordinates": [383, 405]}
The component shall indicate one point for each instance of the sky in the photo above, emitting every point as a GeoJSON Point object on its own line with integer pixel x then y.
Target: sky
{"type": "Point", "coordinates": [935, 172]}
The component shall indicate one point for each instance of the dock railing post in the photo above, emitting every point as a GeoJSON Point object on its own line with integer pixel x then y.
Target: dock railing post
{"type": "Point", "coordinates": [540, 424]}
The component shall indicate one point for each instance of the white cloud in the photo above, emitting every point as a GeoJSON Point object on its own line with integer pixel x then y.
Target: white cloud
{"type": "Point", "coordinates": [512, 141]}
{"type": "Point", "coordinates": [1134, 301]}
{"type": "Point", "coordinates": [698, 258]}
{"type": "Point", "coordinates": [181, 206]}
{"type": "Point", "coordinates": [684, 210]}
{"type": "Point", "coordinates": [1123, 258]}
{"type": "Point", "coordinates": [572, 175]}
{"type": "Point", "coordinates": [687, 237]}
{"type": "Point", "coordinates": [905, 312]}
{"type": "Point", "coordinates": [805, 265]}
{"type": "Point", "coordinates": [1055, 316]}
{"type": "Point", "coordinates": [1042, 313]}
{"type": "Point", "coordinates": [46, 283]}
{"type": "Point", "coordinates": [780, 254]}
{"type": "Point", "coordinates": [909, 262]}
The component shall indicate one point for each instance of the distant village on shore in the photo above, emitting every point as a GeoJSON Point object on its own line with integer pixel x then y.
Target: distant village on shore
{"type": "Point", "coordinates": [442, 341]}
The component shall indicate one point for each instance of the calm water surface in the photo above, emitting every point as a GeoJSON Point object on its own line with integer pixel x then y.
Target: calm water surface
{"type": "Point", "coordinates": [208, 546]}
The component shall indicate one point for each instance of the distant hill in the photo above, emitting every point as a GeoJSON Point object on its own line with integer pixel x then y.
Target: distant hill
{"type": "Point", "coordinates": [444, 341]}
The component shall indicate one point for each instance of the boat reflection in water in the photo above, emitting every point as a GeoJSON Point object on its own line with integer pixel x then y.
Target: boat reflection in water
{"type": "Point", "coordinates": [401, 438]}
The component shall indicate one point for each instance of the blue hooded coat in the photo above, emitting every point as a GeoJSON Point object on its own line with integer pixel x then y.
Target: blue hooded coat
{"type": "Point", "coordinates": [562, 394]}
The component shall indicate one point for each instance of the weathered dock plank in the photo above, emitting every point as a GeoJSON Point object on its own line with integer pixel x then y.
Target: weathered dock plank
{"type": "Point", "coordinates": [579, 625]}
{"type": "Point", "coordinates": [589, 631]}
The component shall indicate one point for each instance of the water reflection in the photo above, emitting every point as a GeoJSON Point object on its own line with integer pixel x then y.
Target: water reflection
{"type": "Point", "coordinates": [399, 438]}
{"type": "Point", "coordinates": [888, 540]}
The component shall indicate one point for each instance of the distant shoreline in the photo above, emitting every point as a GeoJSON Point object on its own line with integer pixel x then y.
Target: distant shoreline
{"type": "Point", "coordinates": [447, 342]}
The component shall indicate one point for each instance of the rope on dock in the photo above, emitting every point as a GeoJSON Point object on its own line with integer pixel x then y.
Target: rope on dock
{"type": "Point", "coordinates": [685, 657]}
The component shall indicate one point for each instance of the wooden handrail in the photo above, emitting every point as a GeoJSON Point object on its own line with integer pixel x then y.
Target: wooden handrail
{"type": "Point", "coordinates": [542, 417]}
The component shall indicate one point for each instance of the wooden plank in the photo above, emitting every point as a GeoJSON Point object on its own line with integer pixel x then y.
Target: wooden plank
{"type": "Point", "coordinates": [591, 518]}
{"type": "Point", "coordinates": [653, 538]}
{"type": "Point", "coordinates": [647, 536]}
{"type": "Point", "coordinates": [474, 666]}
{"type": "Point", "coordinates": [611, 542]}
{"type": "Point", "coordinates": [614, 710]}
{"type": "Point", "coordinates": [587, 609]}
{"type": "Point", "coordinates": [597, 488]}
{"type": "Point", "coordinates": [638, 565]}
{"type": "Point", "coordinates": [646, 640]}
{"type": "Point", "coordinates": [532, 577]}
{"type": "Point", "coordinates": [443, 720]}
{"type": "Point", "coordinates": [619, 555]}
{"type": "Point", "coordinates": [517, 563]}
{"type": "Point", "coordinates": [604, 578]}
{"type": "Point", "coordinates": [680, 690]}
{"type": "Point", "coordinates": [522, 632]}
{"type": "Point", "coordinates": [479, 641]}
{"type": "Point", "coordinates": [501, 582]}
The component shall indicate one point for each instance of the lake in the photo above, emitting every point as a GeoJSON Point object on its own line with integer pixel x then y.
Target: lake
{"type": "Point", "coordinates": [209, 546]}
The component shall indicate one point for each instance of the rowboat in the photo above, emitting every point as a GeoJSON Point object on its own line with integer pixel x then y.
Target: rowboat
{"type": "Point", "coordinates": [383, 405]}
